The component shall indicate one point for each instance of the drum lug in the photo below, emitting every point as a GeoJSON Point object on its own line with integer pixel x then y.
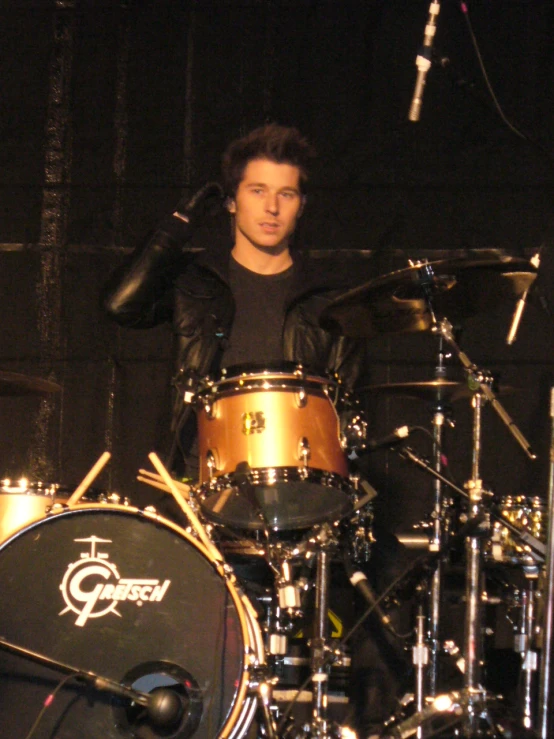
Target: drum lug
{"type": "Point", "coordinates": [209, 409]}
{"type": "Point", "coordinates": [301, 398]}
{"type": "Point", "coordinates": [304, 451]}
{"type": "Point", "coordinates": [211, 463]}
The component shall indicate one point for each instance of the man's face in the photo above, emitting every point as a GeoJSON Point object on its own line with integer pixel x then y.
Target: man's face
{"type": "Point", "coordinates": [267, 205]}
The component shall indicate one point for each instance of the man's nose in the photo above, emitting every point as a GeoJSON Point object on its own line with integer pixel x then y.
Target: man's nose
{"type": "Point", "coordinates": [272, 203]}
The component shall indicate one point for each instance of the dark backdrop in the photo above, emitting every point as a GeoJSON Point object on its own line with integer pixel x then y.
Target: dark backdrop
{"type": "Point", "coordinates": [111, 111]}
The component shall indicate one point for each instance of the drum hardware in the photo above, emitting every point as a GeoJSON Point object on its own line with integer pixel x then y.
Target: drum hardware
{"type": "Point", "coordinates": [359, 534]}
{"type": "Point", "coordinates": [525, 645]}
{"type": "Point", "coordinates": [544, 720]}
{"type": "Point", "coordinates": [474, 699]}
{"type": "Point", "coordinates": [528, 514]}
{"type": "Point", "coordinates": [447, 707]}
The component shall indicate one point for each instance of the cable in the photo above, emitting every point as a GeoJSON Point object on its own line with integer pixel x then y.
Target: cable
{"type": "Point", "coordinates": [48, 702]}
{"type": "Point", "coordinates": [465, 11]}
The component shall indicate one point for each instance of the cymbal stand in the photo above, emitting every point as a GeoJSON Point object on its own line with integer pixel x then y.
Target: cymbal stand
{"type": "Point", "coordinates": [440, 533]}
{"type": "Point", "coordinates": [544, 722]}
{"type": "Point", "coordinates": [473, 643]}
{"type": "Point", "coordinates": [474, 694]}
{"type": "Point", "coordinates": [320, 545]}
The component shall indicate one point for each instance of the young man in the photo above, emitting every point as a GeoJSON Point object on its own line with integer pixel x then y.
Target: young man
{"type": "Point", "coordinates": [255, 302]}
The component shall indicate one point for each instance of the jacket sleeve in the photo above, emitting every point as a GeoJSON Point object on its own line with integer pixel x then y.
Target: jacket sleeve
{"type": "Point", "coordinates": [140, 293]}
{"type": "Point", "coordinates": [347, 359]}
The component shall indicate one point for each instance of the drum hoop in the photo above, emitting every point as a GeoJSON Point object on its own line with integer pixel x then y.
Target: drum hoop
{"type": "Point", "coordinates": [239, 599]}
{"type": "Point", "coordinates": [271, 475]}
{"type": "Point", "coordinates": [267, 381]}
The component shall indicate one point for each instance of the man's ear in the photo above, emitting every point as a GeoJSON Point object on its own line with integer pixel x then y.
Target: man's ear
{"type": "Point", "coordinates": [231, 205]}
{"type": "Point", "coordinates": [302, 205]}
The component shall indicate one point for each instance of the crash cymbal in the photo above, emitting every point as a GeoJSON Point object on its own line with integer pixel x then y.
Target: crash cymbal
{"type": "Point", "coordinates": [428, 390]}
{"type": "Point", "coordinates": [13, 383]}
{"type": "Point", "coordinates": [399, 302]}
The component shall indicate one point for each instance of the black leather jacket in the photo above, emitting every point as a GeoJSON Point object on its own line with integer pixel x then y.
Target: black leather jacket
{"type": "Point", "coordinates": [161, 283]}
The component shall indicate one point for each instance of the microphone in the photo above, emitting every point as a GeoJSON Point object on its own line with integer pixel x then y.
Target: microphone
{"type": "Point", "coordinates": [423, 61]}
{"type": "Point", "coordinates": [395, 437]}
{"type": "Point", "coordinates": [164, 707]}
{"type": "Point", "coordinates": [520, 306]}
{"type": "Point", "coordinates": [360, 582]}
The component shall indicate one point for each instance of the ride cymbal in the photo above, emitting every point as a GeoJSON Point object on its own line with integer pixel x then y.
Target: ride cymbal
{"type": "Point", "coordinates": [405, 301]}
{"type": "Point", "coordinates": [14, 383]}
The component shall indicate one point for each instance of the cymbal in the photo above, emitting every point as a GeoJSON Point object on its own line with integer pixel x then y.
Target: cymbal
{"type": "Point", "coordinates": [428, 390]}
{"type": "Point", "coordinates": [13, 383]}
{"type": "Point", "coordinates": [399, 301]}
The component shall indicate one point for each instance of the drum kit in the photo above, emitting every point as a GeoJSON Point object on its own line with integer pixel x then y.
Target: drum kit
{"type": "Point", "coordinates": [116, 621]}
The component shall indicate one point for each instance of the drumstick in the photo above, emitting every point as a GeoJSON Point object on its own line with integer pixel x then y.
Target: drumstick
{"type": "Point", "coordinates": [81, 489]}
{"type": "Point", "coordinates": [185, 507]}
{"type": "Point", "coordinates": [181, 486]}
{"type": "Point", "coordinates": [222, 500]}
{"type": "Point", "coordinates": [154, 483]}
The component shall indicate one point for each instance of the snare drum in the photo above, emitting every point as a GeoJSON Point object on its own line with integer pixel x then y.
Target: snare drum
{"type": "Point", "coordinates": [282, 428]}
{"type": "Point", "coordinates": [528, 514]}
{"type": "Point", "coordinates": [22, 501]}
{"type": "Point", "coordinates": [134, 598]}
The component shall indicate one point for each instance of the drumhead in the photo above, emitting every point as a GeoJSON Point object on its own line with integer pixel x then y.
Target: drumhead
{"type": "Point", "coordinates": [245, 378]}
{"type": "Point", "coordinates": [130, 597]}
{"type": "Point", "coordinates": [280, 499]}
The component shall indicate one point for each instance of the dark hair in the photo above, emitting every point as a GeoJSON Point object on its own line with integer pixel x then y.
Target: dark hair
{"type": "Point", "coordinates": [280, 144]}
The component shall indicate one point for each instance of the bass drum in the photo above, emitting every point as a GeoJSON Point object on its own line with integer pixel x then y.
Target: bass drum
{"type": "Point", "coordinates": [131, 597]}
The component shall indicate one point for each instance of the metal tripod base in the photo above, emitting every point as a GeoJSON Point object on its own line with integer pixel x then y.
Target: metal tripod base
{"type": "Point", "coordinates": [462, 713]}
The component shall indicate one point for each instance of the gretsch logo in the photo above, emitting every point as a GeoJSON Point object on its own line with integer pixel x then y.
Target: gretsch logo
{"type": "Point", "coordinates": [92, 586]}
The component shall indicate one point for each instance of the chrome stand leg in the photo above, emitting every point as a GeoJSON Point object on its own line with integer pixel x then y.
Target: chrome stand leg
{"type": "Point", "coordinates": [524, 642]}
{"type": "Point", "coordinates": [320, 670]}
{"type": "Point", "coordinates": [474, 693]}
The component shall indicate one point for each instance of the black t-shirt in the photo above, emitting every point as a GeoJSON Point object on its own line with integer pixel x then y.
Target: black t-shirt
{"type": "Point", "coordinates": [257, 331]}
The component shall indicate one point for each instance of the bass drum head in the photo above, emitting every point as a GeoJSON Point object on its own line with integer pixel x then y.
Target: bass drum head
{"type": "Point", "coordinates": [128, 597]}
